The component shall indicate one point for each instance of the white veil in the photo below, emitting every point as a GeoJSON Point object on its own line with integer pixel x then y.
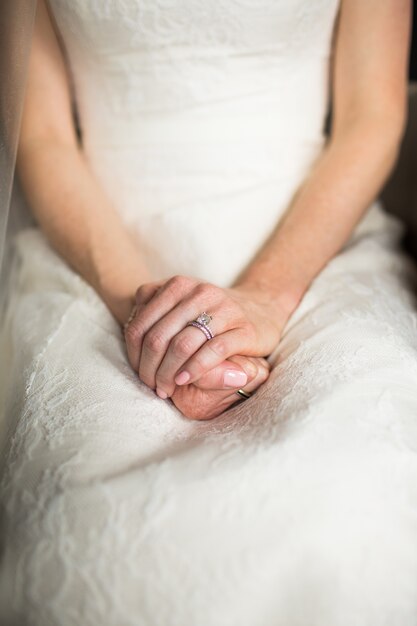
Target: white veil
{"type": "Point", "coordinates": [16, 25]}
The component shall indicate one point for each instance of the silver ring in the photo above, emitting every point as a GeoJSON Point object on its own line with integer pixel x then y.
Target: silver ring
{"type": "Point", "coordinates": [202, 322]}
{"type": "Point", "coordinates": [131, 316]}
{"type": "Point", "coordinates": [243, 394]}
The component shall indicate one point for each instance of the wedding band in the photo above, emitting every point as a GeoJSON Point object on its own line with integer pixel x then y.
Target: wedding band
{"type": "Point", "coordinates": [243, 394]}
{"type": "Point", "coordinates": [202, 322]}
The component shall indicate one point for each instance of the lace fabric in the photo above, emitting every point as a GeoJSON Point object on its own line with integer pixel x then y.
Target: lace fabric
{"type": "Point", "coordinates": [296, 507]}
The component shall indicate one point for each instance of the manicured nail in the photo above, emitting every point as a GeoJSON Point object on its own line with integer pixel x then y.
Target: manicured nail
{"type": "Point", "coordinates": [182, 378]}
{"type": "Point", "coordinates": [161, 394]}
{"type": "Point", "coordinates": [234, 378]}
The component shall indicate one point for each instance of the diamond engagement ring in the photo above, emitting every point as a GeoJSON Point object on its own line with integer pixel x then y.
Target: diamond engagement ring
{"type": "Point", "coordinates": [202, 322]}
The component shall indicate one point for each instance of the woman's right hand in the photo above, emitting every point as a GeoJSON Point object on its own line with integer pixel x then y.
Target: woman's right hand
{"type": "Point", "coordinates": [208, 397]}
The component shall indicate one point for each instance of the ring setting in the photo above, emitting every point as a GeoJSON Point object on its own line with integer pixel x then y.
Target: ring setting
{"type": "Point", "coordinates": [202, 323]}
{"type": "Point", "coordinates": [204, 318]}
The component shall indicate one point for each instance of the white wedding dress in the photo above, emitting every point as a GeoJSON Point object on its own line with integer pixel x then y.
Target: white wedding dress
{"type": "Point", "coordinates": [298, 507]}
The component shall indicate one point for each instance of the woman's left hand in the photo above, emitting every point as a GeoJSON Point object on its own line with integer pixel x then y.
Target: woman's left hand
{"type": "Point", "coordinates": [207, 398]}
{"type": "Point", "coordinates": [166, 352]}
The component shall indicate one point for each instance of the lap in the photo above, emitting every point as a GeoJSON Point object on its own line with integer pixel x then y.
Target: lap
{"type": "Point", "coordinates": [72, 381]}
{"type": "Point", "coordinates": [302, 487]}
{"type": "Point", "coordinates": [357, 321]}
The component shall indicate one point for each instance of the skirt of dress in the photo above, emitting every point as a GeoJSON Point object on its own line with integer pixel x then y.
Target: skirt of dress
{"type": "Point", "coordinates": [298, 507]}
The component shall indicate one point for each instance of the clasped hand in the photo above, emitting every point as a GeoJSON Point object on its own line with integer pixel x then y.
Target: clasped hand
{"type": "Point", "coordinates": [200, 376]}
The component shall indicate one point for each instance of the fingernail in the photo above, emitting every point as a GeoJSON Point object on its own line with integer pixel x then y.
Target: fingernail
{"type": "Point", "coordinates": [161, 394]}
{"type": "Point", "coordinates": [234, 378]}
{"type": "Point", "coordinates": [182, 378]}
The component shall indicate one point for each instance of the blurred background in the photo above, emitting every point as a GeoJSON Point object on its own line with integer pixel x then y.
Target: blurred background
{"type": "Point", "coordinates": [400, 193]}
{"type": "Point", "coordinates": [413, 57]}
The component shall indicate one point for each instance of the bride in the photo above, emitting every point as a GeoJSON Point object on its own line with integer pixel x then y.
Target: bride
{"type": "Point", "coordinates": [210, 334]}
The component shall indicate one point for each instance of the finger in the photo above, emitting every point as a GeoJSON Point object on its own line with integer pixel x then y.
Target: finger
{"type": "Point", "coordinates": [130, 318]}
{"type": "Point", "coordinates": [143, 295]}
{"type": "Point", "coordinates": [229, 375]}
{"type": "Point", "coordinates": [163, 337]}
{"type": "Point", "coordinates": [163, 300]}
{"type": "Point", "coordinates": [211, 403]}
{"type": "Point", "coordinates": [211, 354]}
{"type": "Point", "coordinates": [145, 292]}
{"type": "Point", "coordinates": [183, 342]}
{"type": "Point", "coordinates": [263, 372]}
{"type": "Point", "coordinates": [171, 342]}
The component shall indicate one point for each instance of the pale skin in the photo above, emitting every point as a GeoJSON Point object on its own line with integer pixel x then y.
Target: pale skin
{"type": "Point", "coordinates": [369, 89]}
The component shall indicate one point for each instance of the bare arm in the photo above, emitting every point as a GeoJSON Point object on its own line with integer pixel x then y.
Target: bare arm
{"type": "Point", "coordinates": [369, 110]}
{"type": "Point", "coordinates": [67, 201]}
{"type": "Point", "coordinates": [369, 83]}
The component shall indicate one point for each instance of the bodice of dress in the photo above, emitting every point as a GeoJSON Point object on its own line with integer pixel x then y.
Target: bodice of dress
{"type": "Point", "coordinates": [200, 117]}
